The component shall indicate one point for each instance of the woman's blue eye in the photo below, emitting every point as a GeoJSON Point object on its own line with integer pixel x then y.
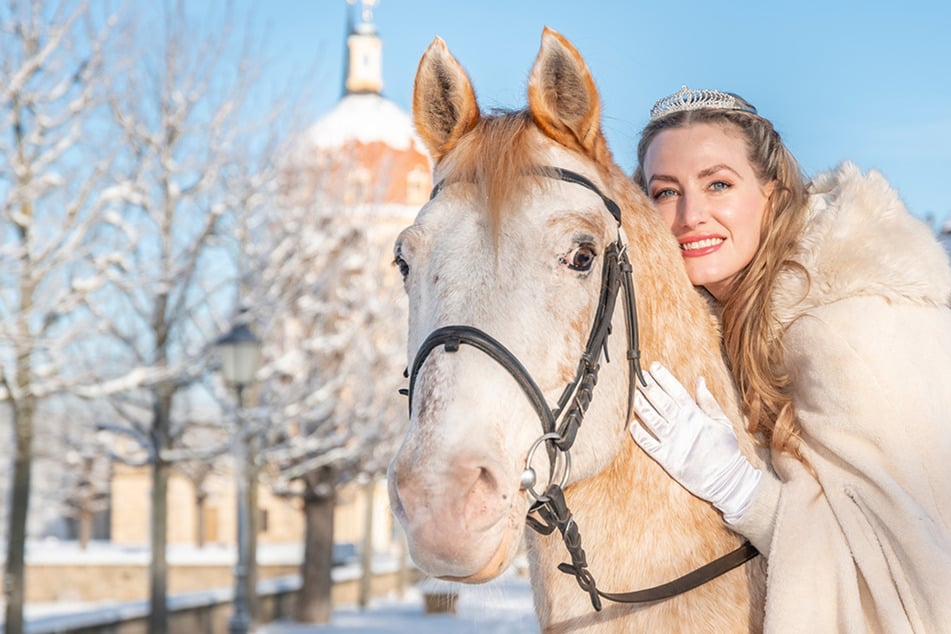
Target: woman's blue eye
{"type": "Point", "coordinates": [719, 186]}
{"type": "Point", "coordinates": [664, 193]}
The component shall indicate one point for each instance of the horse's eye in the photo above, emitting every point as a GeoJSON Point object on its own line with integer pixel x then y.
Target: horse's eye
{"type": "Point", "coordinates": [401, 265]}
{"type": "Point", "coordinates": [581, 258]}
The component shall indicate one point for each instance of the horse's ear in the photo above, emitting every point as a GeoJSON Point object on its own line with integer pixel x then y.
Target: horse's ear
{"type": "Point", "coordinates": [562, 97]}
{"type": "Point", "coordinates": [444, 103]}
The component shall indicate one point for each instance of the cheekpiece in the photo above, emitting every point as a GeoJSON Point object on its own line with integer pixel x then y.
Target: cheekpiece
{"type": "Point", "coordinates": [688, 99]}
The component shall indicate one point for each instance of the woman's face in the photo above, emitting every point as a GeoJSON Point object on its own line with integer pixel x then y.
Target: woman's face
{"type": "Point", "coordinates": [704, 187]}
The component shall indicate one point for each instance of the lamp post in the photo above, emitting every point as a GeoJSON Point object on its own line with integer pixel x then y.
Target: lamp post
{"type": "Point", "coordinates": [240, 353]}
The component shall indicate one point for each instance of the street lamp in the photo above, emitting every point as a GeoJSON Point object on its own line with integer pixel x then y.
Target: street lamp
{"type": "Point", "coordinates": [240, 353]}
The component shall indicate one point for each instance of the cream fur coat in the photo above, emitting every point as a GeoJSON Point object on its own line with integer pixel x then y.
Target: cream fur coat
{"type": "Point", "coordinates": [864, 543]}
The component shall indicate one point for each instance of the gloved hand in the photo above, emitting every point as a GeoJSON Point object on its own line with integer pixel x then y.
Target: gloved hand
{"type": "Point", "coordinates": [695, 444]}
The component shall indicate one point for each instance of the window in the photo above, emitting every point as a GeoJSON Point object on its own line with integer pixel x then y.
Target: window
{"type": "Point", "coordinates": [262, 521]}
{"type": "Point", "coordinates": [358, 186]}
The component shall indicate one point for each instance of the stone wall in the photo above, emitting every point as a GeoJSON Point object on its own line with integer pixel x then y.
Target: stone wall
{"type": "Point", "coordinates": [208, 612]}
{"type": "Point", "coordinates": [127, 582]}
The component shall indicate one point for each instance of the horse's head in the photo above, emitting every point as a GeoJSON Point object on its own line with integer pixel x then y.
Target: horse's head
{"type": "Point", "coordinates": [509, 248]}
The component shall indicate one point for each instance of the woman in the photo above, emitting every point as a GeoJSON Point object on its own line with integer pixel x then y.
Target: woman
{"type": "Point", "coordinates": [834, 304]}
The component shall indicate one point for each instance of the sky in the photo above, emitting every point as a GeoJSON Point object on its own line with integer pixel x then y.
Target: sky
{"type": "Point", "coordinates": [842, 80]}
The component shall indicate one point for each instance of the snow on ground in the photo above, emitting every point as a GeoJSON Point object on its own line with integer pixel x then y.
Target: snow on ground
{"type": "Point", "coordinates": [502, 606]}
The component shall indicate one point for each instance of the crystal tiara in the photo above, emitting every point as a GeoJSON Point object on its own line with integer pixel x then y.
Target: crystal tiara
{"type": "Point", "coordinates": [688, 99]}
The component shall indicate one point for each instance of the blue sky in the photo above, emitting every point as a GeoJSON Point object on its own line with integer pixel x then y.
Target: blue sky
{"type": "Point", "coordinates": [866, 81]}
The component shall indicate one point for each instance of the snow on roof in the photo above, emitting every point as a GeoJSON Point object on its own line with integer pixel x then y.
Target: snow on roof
{"type": "Point", "coordinates": [366, 118]}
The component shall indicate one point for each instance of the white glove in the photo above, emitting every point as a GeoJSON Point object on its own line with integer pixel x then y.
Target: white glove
{"type": "Point", "coordinates": [695, 444]}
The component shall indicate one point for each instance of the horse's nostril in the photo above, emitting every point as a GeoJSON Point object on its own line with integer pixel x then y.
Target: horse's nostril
{"type": "Point", "coordinates": [487, 479]}
{"type": "Point", "coordinates": [484, 500]}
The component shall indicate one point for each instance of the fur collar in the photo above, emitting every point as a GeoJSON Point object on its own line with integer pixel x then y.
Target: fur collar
{"type": "Point", "coordinates": [859, 240]}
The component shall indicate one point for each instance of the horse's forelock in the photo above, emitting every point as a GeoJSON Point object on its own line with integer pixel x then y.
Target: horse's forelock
{"type": "Point", "coordinates": [497, 158]}
{"type": "Point", "coordinates": [500, 157]}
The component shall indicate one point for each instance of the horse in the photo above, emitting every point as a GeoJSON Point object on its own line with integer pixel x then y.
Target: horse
{"type": "Point", "coordinates": [505, 271]}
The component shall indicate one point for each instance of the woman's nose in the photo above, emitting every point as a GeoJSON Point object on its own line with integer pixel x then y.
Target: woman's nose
{"type": "Point", "coordinates": [690, 211]}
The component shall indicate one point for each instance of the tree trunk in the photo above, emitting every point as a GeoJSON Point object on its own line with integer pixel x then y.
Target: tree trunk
{"type": "Point", "coordinates": [314, 600]}
{"type": "Point", "coordinates": [158, 568]}
{"type": "Point", "coordinates": [13, 580]}
{"type": "Point", "coordinates": [200, 498]}
{"type": "Point", "coordinates": [255, 521]}
{"type": "Point", "coordinates": [85, 525]}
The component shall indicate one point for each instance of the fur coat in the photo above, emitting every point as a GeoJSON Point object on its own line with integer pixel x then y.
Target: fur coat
{"type": "Point", "coordinates": [858, 537]}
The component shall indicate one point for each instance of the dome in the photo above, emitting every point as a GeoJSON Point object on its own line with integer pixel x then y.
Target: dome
{"type": "Point", "coordinates": [365, 150]}
{"type": "Point", "coordinates": [365, 118]}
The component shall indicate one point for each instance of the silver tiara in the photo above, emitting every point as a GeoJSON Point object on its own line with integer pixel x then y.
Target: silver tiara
{"type": "Point", "coordinates": [687, 99]}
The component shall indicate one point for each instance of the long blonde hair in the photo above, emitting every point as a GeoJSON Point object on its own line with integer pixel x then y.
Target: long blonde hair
{"type": "Point", "coordinates": [750, 328]}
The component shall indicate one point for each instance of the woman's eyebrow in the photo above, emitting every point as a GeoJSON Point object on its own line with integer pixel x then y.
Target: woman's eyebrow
{"type": "Point", "coordinates": [716, 168]}
{"type": "Point", "coordinates": [662, 177]}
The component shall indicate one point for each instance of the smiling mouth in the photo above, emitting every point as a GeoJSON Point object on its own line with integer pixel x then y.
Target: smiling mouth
{"type": "Point", "coordinates": [701, 244]}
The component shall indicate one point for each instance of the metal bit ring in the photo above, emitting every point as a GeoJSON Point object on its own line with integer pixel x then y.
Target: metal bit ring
{"type": "Point", "coordinates": [528, 479]}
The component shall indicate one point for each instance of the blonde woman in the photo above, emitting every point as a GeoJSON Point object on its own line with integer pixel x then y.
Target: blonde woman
{"type": "Point", "coordinates": [834, 303]}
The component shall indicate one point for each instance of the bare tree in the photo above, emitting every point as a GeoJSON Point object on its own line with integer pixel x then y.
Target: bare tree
{"type": "Point", "coordinates": [183, 103]}
{"type": "Point", "coordinates": [202, 443]}
{"type": "Point", "coordinates": [121, 173]}
{"type": "Point", "coordinates": [307, 336]}
{"type": "Point", "coordinates": [85, 481]}
{"type": "Point", "coordinates": [332, 349]}
{"type": "Point", "coordinates": [52, 215]}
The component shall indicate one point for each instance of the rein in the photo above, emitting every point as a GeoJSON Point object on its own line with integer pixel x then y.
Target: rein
{"type": "Point", "coordinates": [558, 437]}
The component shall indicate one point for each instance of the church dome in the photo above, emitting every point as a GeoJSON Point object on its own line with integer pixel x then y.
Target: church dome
{"type": "Point", "coordinates": [365, 150]}
{"type": "Point", "coordinates": [364, 118]}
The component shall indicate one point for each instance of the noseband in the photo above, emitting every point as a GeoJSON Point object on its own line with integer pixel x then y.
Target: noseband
{"type": "Point", "coordinates": [560, 425]}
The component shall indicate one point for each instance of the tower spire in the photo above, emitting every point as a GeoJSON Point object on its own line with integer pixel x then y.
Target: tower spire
{"type": "Point", "coordinates": [364, 65]}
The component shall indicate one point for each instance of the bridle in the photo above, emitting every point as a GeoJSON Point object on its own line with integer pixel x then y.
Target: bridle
{"type": "Point", "coordinates": [560, 425]}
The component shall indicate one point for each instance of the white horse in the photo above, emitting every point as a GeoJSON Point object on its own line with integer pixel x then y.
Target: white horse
{"type": "Point", "coordinates": [503, 268]}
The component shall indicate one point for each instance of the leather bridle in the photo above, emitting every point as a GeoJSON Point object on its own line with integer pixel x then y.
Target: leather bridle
{"type": "Point", "coordinates": [560, 425]}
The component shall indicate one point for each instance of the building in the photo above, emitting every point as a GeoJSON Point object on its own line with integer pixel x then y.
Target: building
{"type": "Point", "coordinates": [364, 154]}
